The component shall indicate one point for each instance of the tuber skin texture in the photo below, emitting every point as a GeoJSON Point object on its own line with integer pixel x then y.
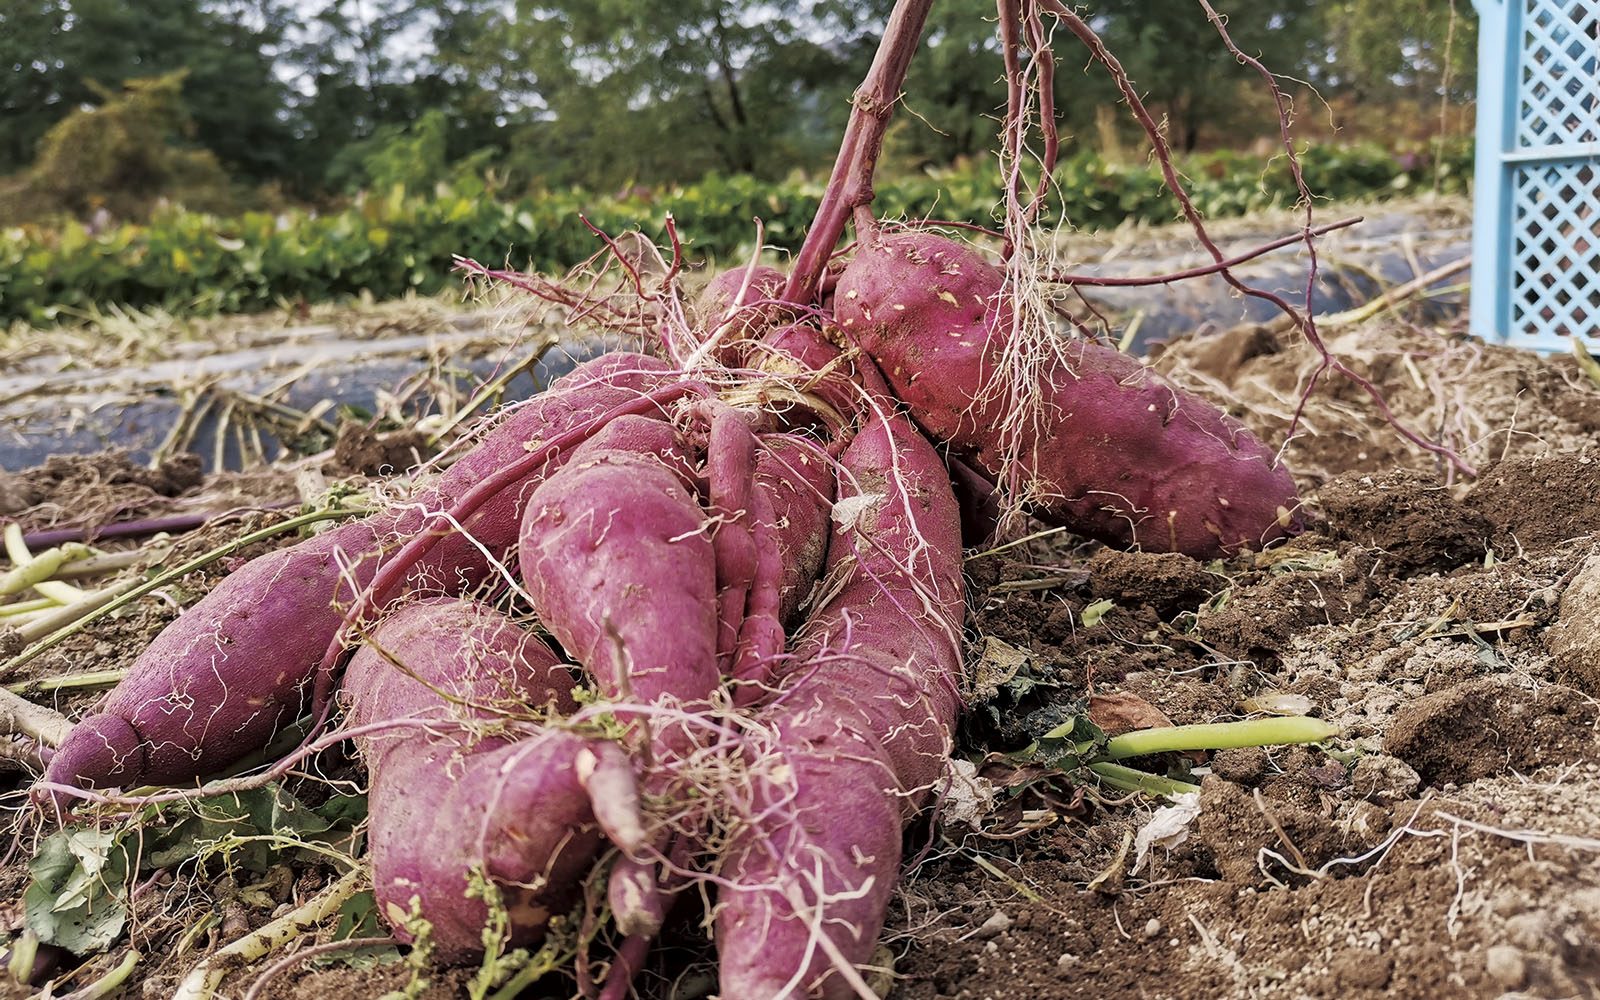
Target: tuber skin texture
{"type": "Point", "coordinates": [1118, 454]}
{"type": "Point", "coordinates": [860, 732]}
{"type": "Point", "coordinates": [217, 683]}
{"type": "Point", "coordinates": [617, 559]}
{"type": "Point", "coordinates": [720, 313]}
{"type": "Point", "coordinates": [519, 811]}
{"type": "Point", "coordinates": [789, 503]}
{"type": "Point", "coordinates": [730, 471]}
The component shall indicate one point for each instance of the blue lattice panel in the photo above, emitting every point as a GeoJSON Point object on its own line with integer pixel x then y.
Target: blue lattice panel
{"type": "Point", "coordinates": [1536, 217]}
{"type": "Point", "coordinates": [1558, 90]}
{"type": "Point", "coordinates": [1555, 265]}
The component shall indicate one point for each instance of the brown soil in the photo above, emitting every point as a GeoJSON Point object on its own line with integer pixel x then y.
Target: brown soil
{"type": "Point", "coordinates": [1447, 623]}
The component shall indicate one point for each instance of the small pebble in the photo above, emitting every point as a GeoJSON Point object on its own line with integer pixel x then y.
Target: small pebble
{"type": "Point", "coordinates": [1506, 966]}
{"type": "Point", "coordinates": [1066, 962]}
{"type": "Point", "coordinates": [1152, 928]}
{"type": "Point", "coordinates": [994, 926]}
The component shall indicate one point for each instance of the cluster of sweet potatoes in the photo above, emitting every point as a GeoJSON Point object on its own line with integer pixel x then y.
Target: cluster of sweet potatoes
{"type": "Point", "coordinates": [663, 623]}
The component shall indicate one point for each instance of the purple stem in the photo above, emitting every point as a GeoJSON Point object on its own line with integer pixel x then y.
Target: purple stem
{"type": "Point", "coordinates": [129, 529]}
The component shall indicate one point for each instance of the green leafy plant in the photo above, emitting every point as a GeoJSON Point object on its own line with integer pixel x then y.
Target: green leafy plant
{"type": "Point", "coordinates": [77, 899]}
{"type": "Point", "coordinates": [391, 241]}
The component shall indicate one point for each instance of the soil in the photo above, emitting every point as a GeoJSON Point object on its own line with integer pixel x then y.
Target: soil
{"type": "Point", "coordinates": [1445, 845]}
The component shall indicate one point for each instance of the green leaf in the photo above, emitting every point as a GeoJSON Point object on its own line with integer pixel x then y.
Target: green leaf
{"type": "Point", "coordinates": [77, 899]}
{"type": "Point", "coordinates": [266, 810]}
{"type": "Point", "coordinates": [1096, 611]}
{"type": "Point", "coordinates": [343, 810]}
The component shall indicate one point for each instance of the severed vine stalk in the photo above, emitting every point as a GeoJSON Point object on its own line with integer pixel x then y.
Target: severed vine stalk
{"type": "Point", "coordinates": [21, 716]}
{"type": "Point", "coordinates": [1210, 736]}
{"type": "Point", "coordinates": [68, 682]}
{"type": "Point", "coordinates": [112, 981]}
{"type": "Point", "coordinates": [203, 980]}
{"type": "Point", "coordinates": [850, 183]}
{"type": "Point", "coordinates": [136, 590]}
{"type": "Point", "coordinates": [1221, 736]}
{"type": "Point", "coordinates": [35, 571]}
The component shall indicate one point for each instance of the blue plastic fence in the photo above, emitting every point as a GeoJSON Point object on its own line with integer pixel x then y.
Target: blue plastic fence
{"type": "Point", "coordinates": [1536, 213]}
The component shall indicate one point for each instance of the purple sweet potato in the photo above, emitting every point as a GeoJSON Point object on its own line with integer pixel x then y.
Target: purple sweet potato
{"type": "Point", "coordinates": [218, 682]}
{"type": "Point", "coordinates": [617, 558]}
{"type": "Point", "coordinates": [522, 808]}
{"type": "Point", "coordinates": [857, 734]}
{"type": "Point", "coordinates": [1115, 453]}
{"type": "Point", "coordinates": [730, 474]}
{"type": "Point", "coordinates": [789, 505]}
{"type": "Point", "coordinates": [725, 311]}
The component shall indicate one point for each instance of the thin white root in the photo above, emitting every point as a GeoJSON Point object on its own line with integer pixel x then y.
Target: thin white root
{"type": "Point", "coordinates": [205, 977]}
{"type": "Point", "coordinates": [19, 715]}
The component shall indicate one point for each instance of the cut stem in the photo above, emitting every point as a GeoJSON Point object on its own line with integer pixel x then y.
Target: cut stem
{"type": "Point", "coordinates": [19, 715]}
{"type": "Point", "coordinates": [1221, 736]}
{"type": "Point", "coordinates": [117, 597]}
{"type": "Point", "coordinates": [1128, 779]}
{"type": "Point", "coordinates": [36, 570]}
{"type": "Point", "coordinates": [36, 628]}
{"type": "Point", "coordinates": [258, 944]}
{"type": "Point", "coordinates": [111, 981]}
{"type": "Point", "coordinates": [69, 682]}
{"type": "Point", "coordinates": [850, 184]}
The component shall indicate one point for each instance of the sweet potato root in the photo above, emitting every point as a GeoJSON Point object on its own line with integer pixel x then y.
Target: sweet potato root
{"type": "Point", "coordinates": [522, 808]}
{"type": "Point", "coordinates": [1113, 451]}
{"type": "Point", "coordinates": [858, 732]}
{"type": "Point", "coordinates": [218, 682]}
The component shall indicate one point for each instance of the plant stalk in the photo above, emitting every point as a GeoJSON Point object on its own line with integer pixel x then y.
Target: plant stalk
{"type": "Point", "coordinates": [850, 184]}
{"type": "Point", "coordinates": [1221, 736]}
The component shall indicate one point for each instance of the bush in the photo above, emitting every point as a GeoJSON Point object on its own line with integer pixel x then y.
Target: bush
{"type": "Point", "coordinates": [390, 243]}
{"type": "Point", "coordinates": [123, 156]}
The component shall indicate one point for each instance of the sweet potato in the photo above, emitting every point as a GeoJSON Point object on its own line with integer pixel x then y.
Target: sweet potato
{"type": "Point", "coordinates": [218, 682]}
{"type": "Point", "coordinates": [725, 311]}
{"type": "Point", "coordinates": [859, 732]}
{"type": "Point", "coordinates": [522, 811]}
{"type": "Point", "coordinates": [730, 473]}
{"type": "Point", "coordinates": [1113, 451]}
{"type": "Point", "coordinates": [790, 500]}
{"type": "Point", "coordinates": [616, 556]}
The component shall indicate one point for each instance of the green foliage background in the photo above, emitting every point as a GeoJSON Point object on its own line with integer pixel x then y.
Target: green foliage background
{"type": "Point", "coordinates": [398, 241]}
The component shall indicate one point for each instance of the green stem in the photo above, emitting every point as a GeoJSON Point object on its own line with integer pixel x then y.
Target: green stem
{"type": "Point", "coordinates": [1221, 736]}
{"type": "Point", "coordinates": [24, 952]}
{"type": "Point", "coordinates": [202, 981]}
{"type": "Point", "coordinates": [40, 625]}
{"type": "Point", "coordinates": [69, 682]}
{"type": "Point", "coordinates": [110, 562]}
{"type": "Point", "coordinates": [26, 607]}
{"type": "Point", "coordinates": [36, 570]}
{"type": "Point", "coordinates": [164, 578]}
{"type": "Point", "coordinates": [1130, 780]}
{"type": "Point", "coordinates": [111, 981]}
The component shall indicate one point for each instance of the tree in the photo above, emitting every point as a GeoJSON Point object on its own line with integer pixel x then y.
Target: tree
{"type": "Point", "coordinates": [123, 156]}
{"type": "Point", "coordinates": [1387, 50]}
{"type": "Point", "coordinates": [658, 91]}
{"type": "Point", "coordinates": [54, 53]}
{"type": "Point", "coordinates": [1178, 61]}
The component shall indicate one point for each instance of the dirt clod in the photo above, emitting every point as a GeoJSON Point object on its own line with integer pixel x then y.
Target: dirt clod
{"type": "Point", "coordinates": [1414, 520]}
{"type": "Point", "coordinates": [1481, 727]}
{"type": "Point", "coordinates": [1574, 639]}
{"type": "Point", "coordinates": [1541, 501]}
